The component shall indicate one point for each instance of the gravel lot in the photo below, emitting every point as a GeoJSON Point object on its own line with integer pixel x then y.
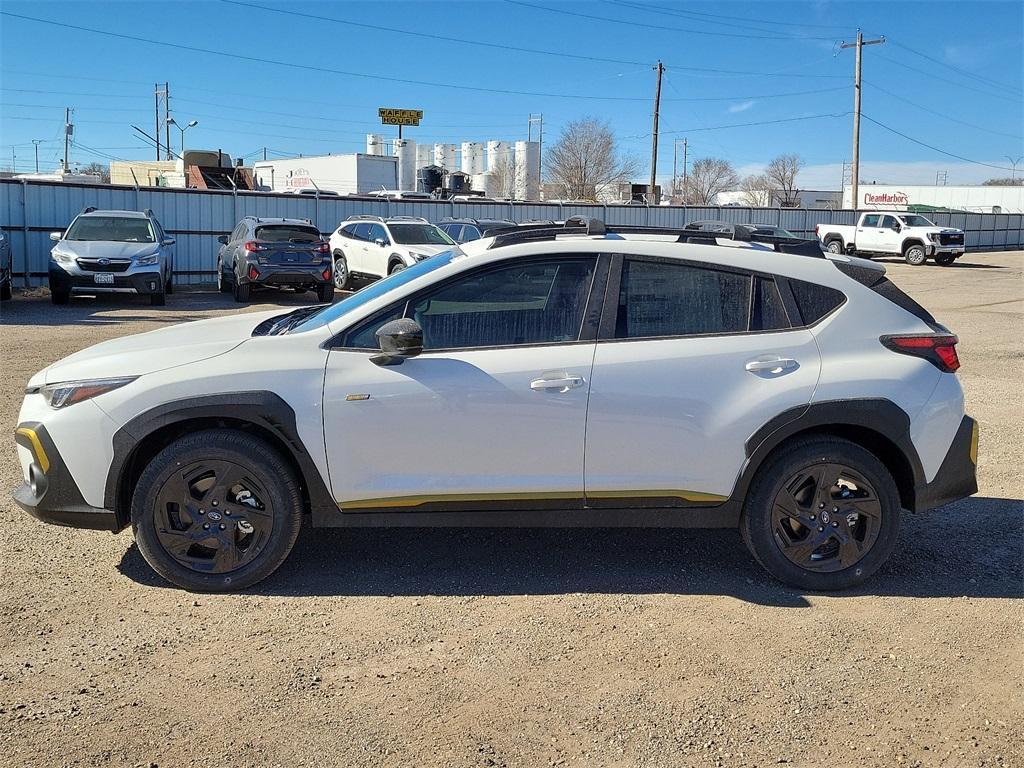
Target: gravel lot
{"type": "Point", "coordinates": [522, 648]}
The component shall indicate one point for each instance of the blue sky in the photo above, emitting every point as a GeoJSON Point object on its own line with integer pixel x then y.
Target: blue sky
{"type": "Point", "coordinates": [950, 76]}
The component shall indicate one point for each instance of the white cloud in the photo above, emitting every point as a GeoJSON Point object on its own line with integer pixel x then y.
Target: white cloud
{"type": "Point", "coordinates": [743, 106]}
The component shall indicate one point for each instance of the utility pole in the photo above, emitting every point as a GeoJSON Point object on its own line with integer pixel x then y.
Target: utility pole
{"type": "Point", "coordinates": [156, 116]}
{"type": "Point", "coordinates": [167, 118]}
{"type": "Point", "coordinates": [68, 130]}
{"type": "Point", "coordinates": [659, 68]}
{"type": "Point", "coordinates": [264, 154]}
{"type": "Point", "coordinates": [685, 145]}
{"type": "Point", "coordinates": [1013, 168]}
{"type": "Point", "coordinates": [37, 142]}
{"type": "Point", "coordinates": [859, 45]}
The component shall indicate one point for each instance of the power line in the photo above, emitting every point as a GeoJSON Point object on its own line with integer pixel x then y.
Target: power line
{"type": "Point", "coordinates": [659, 27]}
{"type": "Point", "coordinates": [760, 122]}
{"type": "Point", "coordinates": [933, 76]}
{"type": "Point", "coordinates": [312, 68]}
{"type": "Point", "coordinates": [964, 72]}
{"type": "Point", "coordinates": [905, 100]}
{"type": "Point", "coordinates": [934, 148]}
{"type": "Point", "coordinates": [696, 16]}
{"type": "Point", "coordinates": [679, 11]}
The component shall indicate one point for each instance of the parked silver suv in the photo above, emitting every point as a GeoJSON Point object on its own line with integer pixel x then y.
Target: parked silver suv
{"type": "Point", "coordinates": [112, 252]}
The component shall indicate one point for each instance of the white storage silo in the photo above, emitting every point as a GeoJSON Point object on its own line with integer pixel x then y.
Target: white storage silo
{"type": "Point", "coordinates": [472, 157]}
{"type": "Point", "coordinates": [375, 144]}
{"type": "Point", "coordinates": [488, 183]}
{"type": "Point", "coordinates": [499, 153]}
{"type": "Point", "coordinates": [424, 156]}
{"type": "Point", "coordinates": [527, 170]}
{"type": "Point", "coordinates": [444, 156]}
{"type": "Point", "coordinates": [405, 151]}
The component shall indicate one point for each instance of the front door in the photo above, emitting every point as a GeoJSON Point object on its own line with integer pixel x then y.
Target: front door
{"type": "Point", "coordinates": [491, 414]}
{"type": "Point", "coordinates": [697, 361]}
{"type": "Point", "coordinates": [869, 232]}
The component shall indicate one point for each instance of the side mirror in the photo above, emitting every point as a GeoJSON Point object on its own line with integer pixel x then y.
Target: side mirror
{"type": "Point", "coordinates": [896, 227]}
{"type": "Point", "coordinates": [56, 236]}
{"type": "Point", "coordinates": [222, 239]}
{"type": "Point", "coordinates": [398, 340]}
{"type": "Point", "coordinates": [381, 242]}
{"type": "Point", "coordinates": [168, 241]}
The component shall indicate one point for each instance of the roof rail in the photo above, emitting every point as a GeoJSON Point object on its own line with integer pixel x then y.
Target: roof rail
{"type": "Point", "coordinates": [89, 209]}
{"type": "Point", "coordinates": [407, 218]}
{"type": "Point", "coordinates": [577, 225]}
{"type": "Point", "coordinates": [365, 217]}
{"type": "Point", "coordinates": [148, 212]}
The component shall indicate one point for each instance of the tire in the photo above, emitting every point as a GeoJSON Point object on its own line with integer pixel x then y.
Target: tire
{"type": "Point", "coordinates": [397, 266]}
{"type": "Point", "coordinates": [866, 526]}
{"type": "Point", "coordinates": [834, 246]}
{"type": "Point", "coordinates": [58, 296]}
{"type": "Point", "coordinates": [157, 299]}
{"type": "Point", "coordinates": [945, 259]}
{"type": "Point", "coordinates": [325, 293]}
{"type": "Point", "coordinates": [914, 255]}
{"type": "Point", "coordinates": [222, 285]}
{"type": "Point", "coordinates": [6, 291]}
{"type": "Point", "coordinates": [169, 285]}
{"type": "Point", "coordinates": [342, 278]}
{"type": "Point", "coordinates": [172, 536]}
{"type": "Point", "coordinates": [241, 292]}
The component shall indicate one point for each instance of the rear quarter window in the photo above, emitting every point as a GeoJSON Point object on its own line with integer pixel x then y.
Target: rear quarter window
{"type": "Point", "coordinates": [815, 301]}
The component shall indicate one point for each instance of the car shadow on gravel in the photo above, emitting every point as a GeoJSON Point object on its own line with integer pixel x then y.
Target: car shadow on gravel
{"type": "Point", "coordinates": [974, 548]}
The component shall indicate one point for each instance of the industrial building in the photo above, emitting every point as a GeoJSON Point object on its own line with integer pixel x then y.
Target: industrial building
{"type": "Point", "coordinates": [493, 169]}
{"type": "Point", "coordinates": [805, 198]}
{"type": "Point", "coordinates": [921, 198]}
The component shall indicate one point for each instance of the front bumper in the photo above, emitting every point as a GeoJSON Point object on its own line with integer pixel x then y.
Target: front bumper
{"type": "Point", "coordinates": [132, 282]}
{"type": "Point", "coordinates": [50, 494]}
{"type": "Point", "coordinates": [957, 477]}
{"type": "Point", "coordinates": [933, 249]}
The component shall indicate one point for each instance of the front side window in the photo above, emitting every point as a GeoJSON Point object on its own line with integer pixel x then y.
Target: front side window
{"type": "Point", "coordinates": [115, 229]}
{"type": "Point", "coordinates": [888, 222]}
{"type": "Point", "coordinates": [377, 232]}
{"type": "Point", "coordinates": [539, 302]}
{"type": "Point", "coordinates": [419, 234]}
{"type": "Point", "coordinates": [914, 220]}
{"type": "Point", "coordinates": [659, 299]}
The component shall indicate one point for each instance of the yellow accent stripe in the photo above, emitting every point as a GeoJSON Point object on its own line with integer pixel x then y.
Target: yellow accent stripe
{"type": "Point", "coordinates": [974, 444]}
{"type": "Point", "coordinates": [415, 501]}
{"type": "Point", "coordinates": [37, 447]}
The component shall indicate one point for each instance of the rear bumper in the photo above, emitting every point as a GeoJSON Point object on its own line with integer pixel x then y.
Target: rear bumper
{"type": "Point", "coordinates": [138, 282]}
{"type": "Point", "coordinates": [51, 494]}
{"type": "Point", "coordinates": [289, 274]}
{"type": "Point", "coordinates": [957, 477]}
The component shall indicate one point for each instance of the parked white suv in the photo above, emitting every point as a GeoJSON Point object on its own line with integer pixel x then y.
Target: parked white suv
{"type": "Point", "coordinates": [112, 252]}
{"type": "Point", "coordinates": [804, 399]}
{"type": "Point", "coordinates": [371, 247]}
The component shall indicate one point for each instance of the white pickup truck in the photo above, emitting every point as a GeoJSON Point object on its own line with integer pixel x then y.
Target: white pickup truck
{"type": "Point", "coordinates": [909, 235]}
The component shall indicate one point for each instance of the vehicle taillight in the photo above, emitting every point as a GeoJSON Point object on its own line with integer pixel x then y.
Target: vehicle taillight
{"type": "Point", "coordinates": [939, 349]}
{"type": "Point", "coordinates": [253, 272]}
{"type": "Point", "coordinates": [817, 228]}
{"type": "Point", "coordinates": [323, 248]}
{"type": "Point", "coordinates": [252, 246]}
{"type": "Point", "coordinates": [327, 273]}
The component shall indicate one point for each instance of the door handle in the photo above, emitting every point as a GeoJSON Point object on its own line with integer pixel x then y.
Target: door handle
{"type": "Point", "coordinates": [778, 365]}
{"type": "Point", "coordinates": [563, 384]}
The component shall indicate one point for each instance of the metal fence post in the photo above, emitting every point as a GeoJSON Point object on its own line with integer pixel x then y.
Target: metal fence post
{"type": "Point", "coordinates": [24, 233]}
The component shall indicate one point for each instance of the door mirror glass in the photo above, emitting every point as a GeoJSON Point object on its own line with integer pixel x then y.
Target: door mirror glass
{"type": "Point", "coordinates": [896, 226]}
{"type": "Point", "coordinates": [168, 241]}
{"type": "Point", "coordinates": [398, 340]}
{"type": "Point", "coordinates": [56, 236]}
{"type": "Point", "coordinates": [380, 241]}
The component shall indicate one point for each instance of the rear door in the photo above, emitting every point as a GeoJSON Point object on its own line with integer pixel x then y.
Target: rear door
{"type": "Point", "coordinates": [691, 361]}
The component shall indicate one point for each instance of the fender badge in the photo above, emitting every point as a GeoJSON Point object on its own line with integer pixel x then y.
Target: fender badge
{"type": "Point", "coordinates": [357, 397]}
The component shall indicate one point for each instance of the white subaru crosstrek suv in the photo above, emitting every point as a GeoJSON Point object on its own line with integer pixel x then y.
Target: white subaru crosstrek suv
{"type": "Point", "coordinates": [112, 252]}
{"type": "Point", "coordinates": [560, 376]}
{"type": "Point", "coordinates": [371, 247]}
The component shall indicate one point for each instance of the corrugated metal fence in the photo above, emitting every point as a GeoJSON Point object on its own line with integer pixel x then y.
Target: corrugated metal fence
{"type": "Point", "coordinates": [30, 210]}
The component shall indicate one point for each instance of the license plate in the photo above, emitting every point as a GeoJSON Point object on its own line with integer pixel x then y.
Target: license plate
{"type": "Point", "coordinates": [103, 278]}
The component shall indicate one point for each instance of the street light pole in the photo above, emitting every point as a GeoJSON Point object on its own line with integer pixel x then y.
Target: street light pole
{"type": "Point", "coordinates": [1013, 168]}
{"type": "Point", "coordinates": [190, 124]}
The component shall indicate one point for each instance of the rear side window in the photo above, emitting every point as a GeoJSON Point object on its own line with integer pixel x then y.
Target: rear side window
{"type": "Point", "coordinates": [815, 301]}
{"type": "Point", "coordinates": [658, 299]}
{"type": "Point", "coordinates": [280, 233]}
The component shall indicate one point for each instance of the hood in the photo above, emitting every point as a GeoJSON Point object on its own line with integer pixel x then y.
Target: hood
{"type": "Point", "coordinates": [156, 350]}
{"type": "Point", "coordinates": [101, 249]}
{"type": "Point", "coordinates": [429, 250]}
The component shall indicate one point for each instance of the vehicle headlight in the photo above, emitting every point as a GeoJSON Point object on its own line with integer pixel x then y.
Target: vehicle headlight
{"type": "Point", "coordinates": [146, 260]}
{"type": "Point", "coordinates": [60, 257]}
{"type": "Point", "coordinates": [418, 256]}
{"type": "Point", "coordinates": [933, 236]}
{"type": "Point", "coordinates": [70, 392]}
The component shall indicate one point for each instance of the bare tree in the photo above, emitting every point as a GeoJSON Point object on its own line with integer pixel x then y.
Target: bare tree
{"type": "Point", "coordinates": [757, 191]}
{"type": "Point", "coordinates": [781, 174]}
{"type": "Point", "coordinates": [505, 178]}
{"type": "Point", "coordinates": [708, 177]}
{"type": "Point", "coordinates": [1006, 181]}
{"type": "Point", "coordinates": [586, 158]}
{"type": "Point", "coordinates": [98, 169]}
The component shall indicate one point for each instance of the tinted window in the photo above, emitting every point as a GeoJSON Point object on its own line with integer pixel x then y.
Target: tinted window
{"type": "Point", "coordinates": [361, 231]}
{"type": "Point", "coordinates": [377, 232]}
{"type": "Point", "coordinates": [665, 299]}
{"type": "Point", "coordinates": [888, 222]}
{"type": "Point", "coordinates": [470, 233]}
{"type": "Point", "coordinates": [111, 229]}
{"type": "Point", "coordinates": [287, 233]}
{"type": "Point", "coordinates": [419, 234]}
{"type": "Point", "coordinates": [815, 301]}
{"type": "Point", "coordinates": [768, 312]}
{"type": "Point", "coordinates": [536, 303]}
{"type": "Point", "coordinates": [364, 335]}
{"type": "Point", "coordinates": [870, 221]}
{"type": "Point", "coordinates": [240, 231]}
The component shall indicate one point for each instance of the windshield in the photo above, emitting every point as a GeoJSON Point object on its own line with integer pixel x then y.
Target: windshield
{"type": "Point", "coordinates": [287, 234]}
{"type": "Point", "coordinates": [116, 229]}
{"type": "Point", "coordinates": [332, 312]}
{"type": "Point", "coordinates": [916, 221]}
{"type": "Point", "coordinates": [419, 234]}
